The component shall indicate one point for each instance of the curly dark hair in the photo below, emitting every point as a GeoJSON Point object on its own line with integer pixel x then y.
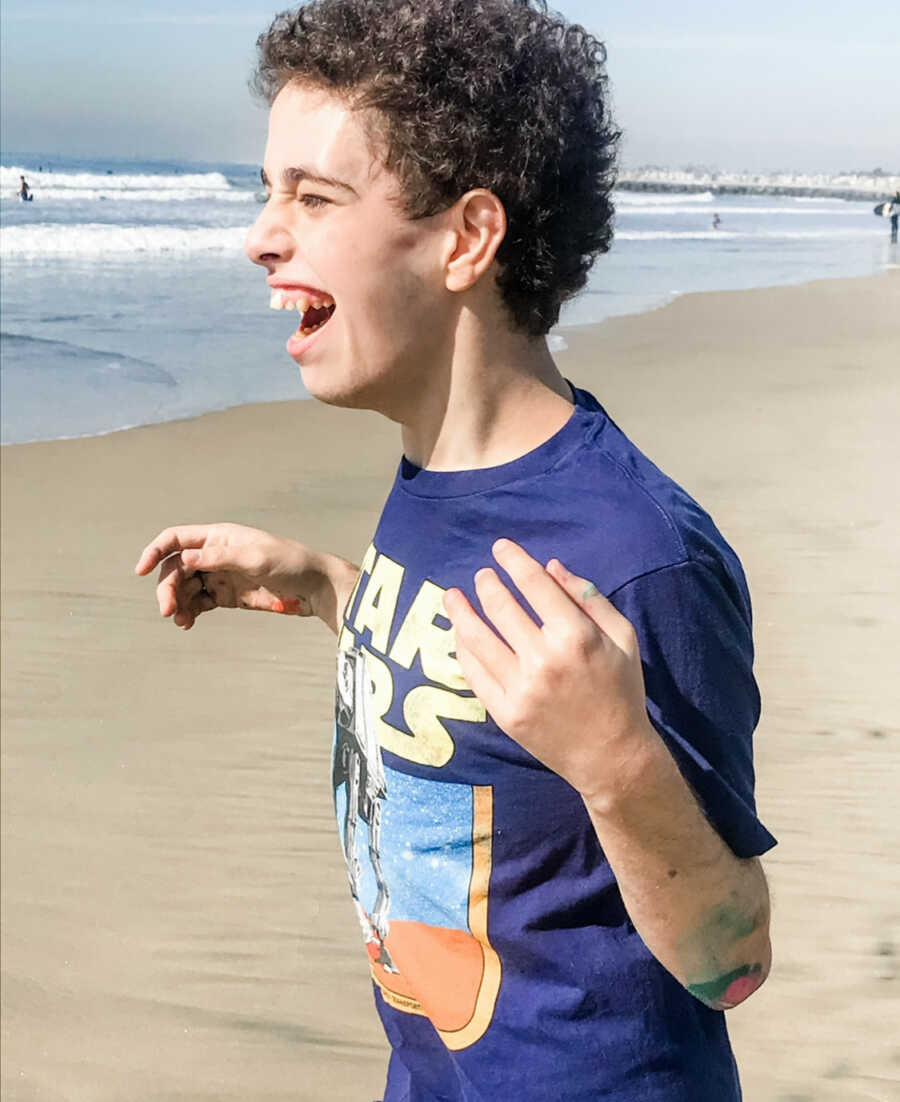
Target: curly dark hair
{"type": "Point", "coordinates": [496, 94]}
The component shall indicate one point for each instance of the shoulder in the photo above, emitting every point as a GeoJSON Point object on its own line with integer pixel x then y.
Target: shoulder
{"type": "Point", "coordinates": [640, 520]}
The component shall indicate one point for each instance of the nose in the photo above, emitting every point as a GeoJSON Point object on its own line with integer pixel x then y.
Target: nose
{"type": "Point", "coordinates": [268, 241]}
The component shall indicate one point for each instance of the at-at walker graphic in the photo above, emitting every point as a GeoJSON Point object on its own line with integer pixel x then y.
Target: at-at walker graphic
{"type": "Point", "coordinates": [357, 763]}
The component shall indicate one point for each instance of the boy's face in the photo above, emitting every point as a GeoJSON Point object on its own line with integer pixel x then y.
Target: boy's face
{"type": "Point", "coordinates": [332, 232]}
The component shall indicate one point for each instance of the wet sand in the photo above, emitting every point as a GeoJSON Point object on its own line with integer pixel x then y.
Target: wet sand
{"type": "Point", "coordinates": [176, 922]}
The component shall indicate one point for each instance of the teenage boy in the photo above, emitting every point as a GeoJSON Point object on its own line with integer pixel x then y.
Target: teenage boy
{"type": "Point", "coordinates": [542, 761]}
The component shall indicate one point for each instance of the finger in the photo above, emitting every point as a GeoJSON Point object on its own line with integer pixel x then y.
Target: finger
{"type": "Point", "coordinates": [475, 638]}
{"type": "Point", "coordinates": [585, 594]}
{"type": "Point", "coordinates": [505, 612]}
{"type": "Point", "coordinates": [208, 559]}
{"type": "Point", "coordinates": [488, 690]}
{"type": "Point", "coordinates": [261, 600]}
{"type": "Point", "coordinates": [191, 586]}
{"type": "Point", "coordinates": [186, 618]}
{"type": "Point", "coordinates": [168, 542]}
{"type": "Point", "coordinates": [170, 575]}
{"type": "Point", "coordinates": [176, 588]}
{"type": "Point", "coordinates": [536, 585]}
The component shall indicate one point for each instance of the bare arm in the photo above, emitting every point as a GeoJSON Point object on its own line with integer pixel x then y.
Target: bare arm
{"type": "Point", "coordinates": [702, 912]}
{"type": "Point", "coordinates": [208, 566]}
{"type": "Point", "coordinates": [572, 693]}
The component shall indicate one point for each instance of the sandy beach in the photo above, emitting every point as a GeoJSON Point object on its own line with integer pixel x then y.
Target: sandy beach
{"type": "Point", "coordinates": [176, 920]}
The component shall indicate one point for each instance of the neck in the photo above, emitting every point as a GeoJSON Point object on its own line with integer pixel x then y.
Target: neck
{"type": "Point", "coordinates": [497, 396]}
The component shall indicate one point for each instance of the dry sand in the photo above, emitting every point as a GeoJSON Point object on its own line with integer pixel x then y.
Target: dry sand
{"type": "Point", "coordinates": [175, 914]}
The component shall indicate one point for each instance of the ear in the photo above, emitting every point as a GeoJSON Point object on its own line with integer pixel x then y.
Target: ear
{"type": "Point", "coordinates": [479, 224]}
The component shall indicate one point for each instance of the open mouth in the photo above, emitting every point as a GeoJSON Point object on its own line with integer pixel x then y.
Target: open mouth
{"type": "Point", "coordinates": [315, 309]}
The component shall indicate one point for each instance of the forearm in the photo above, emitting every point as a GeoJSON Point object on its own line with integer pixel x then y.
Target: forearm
{"type": "Point", "coordinates": [336, 578]}
{"type": "Point", "coordinates": [702, 912]}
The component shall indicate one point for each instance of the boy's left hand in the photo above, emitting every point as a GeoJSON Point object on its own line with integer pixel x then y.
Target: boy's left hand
{"type": "Point", "coordinates": [571, 692]}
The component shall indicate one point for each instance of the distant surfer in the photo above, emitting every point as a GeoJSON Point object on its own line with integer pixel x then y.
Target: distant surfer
{"type": "Point", "coordinates": [895, 216]}
{"type": "Point", "coordinates": [24, 191]}
{"type": "Point", "coordinates": [717, 221]}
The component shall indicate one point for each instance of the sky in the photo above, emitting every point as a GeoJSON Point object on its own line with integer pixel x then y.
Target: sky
{"type": "Point", "coordinates": [776, 85]}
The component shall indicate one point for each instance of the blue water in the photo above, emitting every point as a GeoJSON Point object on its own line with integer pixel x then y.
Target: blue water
{"type": "Point", "coordinates": [127, 298]}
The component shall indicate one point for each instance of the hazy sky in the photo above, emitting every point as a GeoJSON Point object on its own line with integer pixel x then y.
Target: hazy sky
{"type": "Point", "coordinates": [763, 86]}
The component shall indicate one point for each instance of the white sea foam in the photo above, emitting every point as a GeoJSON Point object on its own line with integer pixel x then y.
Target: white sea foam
{"type": "Point", "coordinates": [649, 199]}
{"type": "Point", "coordinates": [134, 195]}
{"type": "Point", "coordinates": [748, 235]}
{"type": "Point", "coordinates": [94, 239]}
{"type": "Point", "coordinates": [726, 208]}
{"type": "Point", "coordinates": [91, 185]}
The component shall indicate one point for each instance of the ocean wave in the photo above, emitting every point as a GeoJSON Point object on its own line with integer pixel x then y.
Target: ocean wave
{"type": "Point", "coordinates": [726, 209]}
{"type": "Point", "coordinates": [94, 239]}
{"type": "Point", "coordinates": [91, 185]}
{"type": "Point", "coordinates": [649, 199]}
{"type": "Point", "coordinates": [748, 235]}
{"type": "Point", "coordinates": [136, 195]}
{"type": "Point", "coordinates": [33, 354]}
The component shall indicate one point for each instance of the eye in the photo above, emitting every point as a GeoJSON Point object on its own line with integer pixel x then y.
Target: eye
{"type": "Point", "coordinates": [312, 201]}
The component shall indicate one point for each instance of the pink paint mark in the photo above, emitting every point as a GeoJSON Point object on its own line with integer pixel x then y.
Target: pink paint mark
{"type": "Point", "coordinates": [741, 989]}
{"type": "Point", "coordinates": [292, 606]}
{"type": "Point", "coordinates": [277, 606]}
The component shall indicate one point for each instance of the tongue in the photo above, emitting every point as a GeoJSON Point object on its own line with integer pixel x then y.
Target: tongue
{"type": "Point", "coordinates": [315, 315]}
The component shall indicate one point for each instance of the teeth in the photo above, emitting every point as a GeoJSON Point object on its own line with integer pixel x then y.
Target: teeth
{"type": "Point", "coordinates": [281, 300]}
{"type": "Point", "coordinates": [301, 332]}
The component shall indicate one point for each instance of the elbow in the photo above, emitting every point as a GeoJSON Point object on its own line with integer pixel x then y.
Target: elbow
{"type": "Point", "coordinates": [734, 987]}
{"type": "Point", "coordinates": [745, 983]}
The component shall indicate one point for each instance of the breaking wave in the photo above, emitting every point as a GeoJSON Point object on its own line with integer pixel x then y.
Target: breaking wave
{"type": "Point", "coordinates": [82, 186]}
{"type": "Point", "coordinates": [759, 235]}
{"type": "Point", "coordinates": [648, 199]}
{"type": "Point", "coordinates": [95, 239]}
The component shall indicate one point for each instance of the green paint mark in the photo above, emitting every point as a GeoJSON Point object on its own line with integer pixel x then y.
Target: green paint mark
{"type": "Point", "coordinates": [730, 923]}
{"type": "Point", "coordinates": [590, 591]}
{"type": "Point", "coordinates": [711, 991]}
{"type": "Point", "coordinates": [709, 948]}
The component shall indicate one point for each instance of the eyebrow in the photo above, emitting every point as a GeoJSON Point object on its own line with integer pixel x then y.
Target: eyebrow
{"type": "Point", "coordinates": [296, 174]}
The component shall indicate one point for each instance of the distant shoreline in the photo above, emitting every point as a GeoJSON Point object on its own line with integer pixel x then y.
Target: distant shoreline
{"type": "Point", "coordinates": [856, 187]}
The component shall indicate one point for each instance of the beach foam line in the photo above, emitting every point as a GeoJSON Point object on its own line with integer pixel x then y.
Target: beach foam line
{"type": "Point", "coordinates": [97, 181]}
{"type": "Point", "coordinates": [96, 239]}
{"type": "Point", "coordinates": [649, 199]}
{"type": "Point", "coordinates": [862, 211]}
{"type": "Point", "coordinates": [143, 195]}
{"type": "Point", "coordinates": [747, 235]}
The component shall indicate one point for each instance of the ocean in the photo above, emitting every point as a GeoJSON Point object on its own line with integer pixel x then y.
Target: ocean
{"type": "Point", "coordinates": [127, 299]}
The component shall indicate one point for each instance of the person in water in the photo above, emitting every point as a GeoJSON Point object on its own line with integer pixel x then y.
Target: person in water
{"type": "Point", "coordinates": [24, 191]}
{"type": "Point", "coordinates": [542, 741]}
{"type": "Point", "coordinates": [895, 217]}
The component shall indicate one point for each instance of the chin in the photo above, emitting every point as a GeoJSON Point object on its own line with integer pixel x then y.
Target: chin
{"type": "Point", "coordinates": [333, 390]}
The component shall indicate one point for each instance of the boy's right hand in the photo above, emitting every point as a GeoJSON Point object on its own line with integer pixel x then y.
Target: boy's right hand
{"type": "Point", "coordinates": [207, 566]}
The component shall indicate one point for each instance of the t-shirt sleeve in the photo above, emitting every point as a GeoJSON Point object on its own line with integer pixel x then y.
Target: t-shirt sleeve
{"type": "Point", "coordinates": [696, 644]}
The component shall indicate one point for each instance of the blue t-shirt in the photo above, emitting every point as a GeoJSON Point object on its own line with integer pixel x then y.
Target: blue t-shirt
{"type": "Point", "coordinates": [504, 962]}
